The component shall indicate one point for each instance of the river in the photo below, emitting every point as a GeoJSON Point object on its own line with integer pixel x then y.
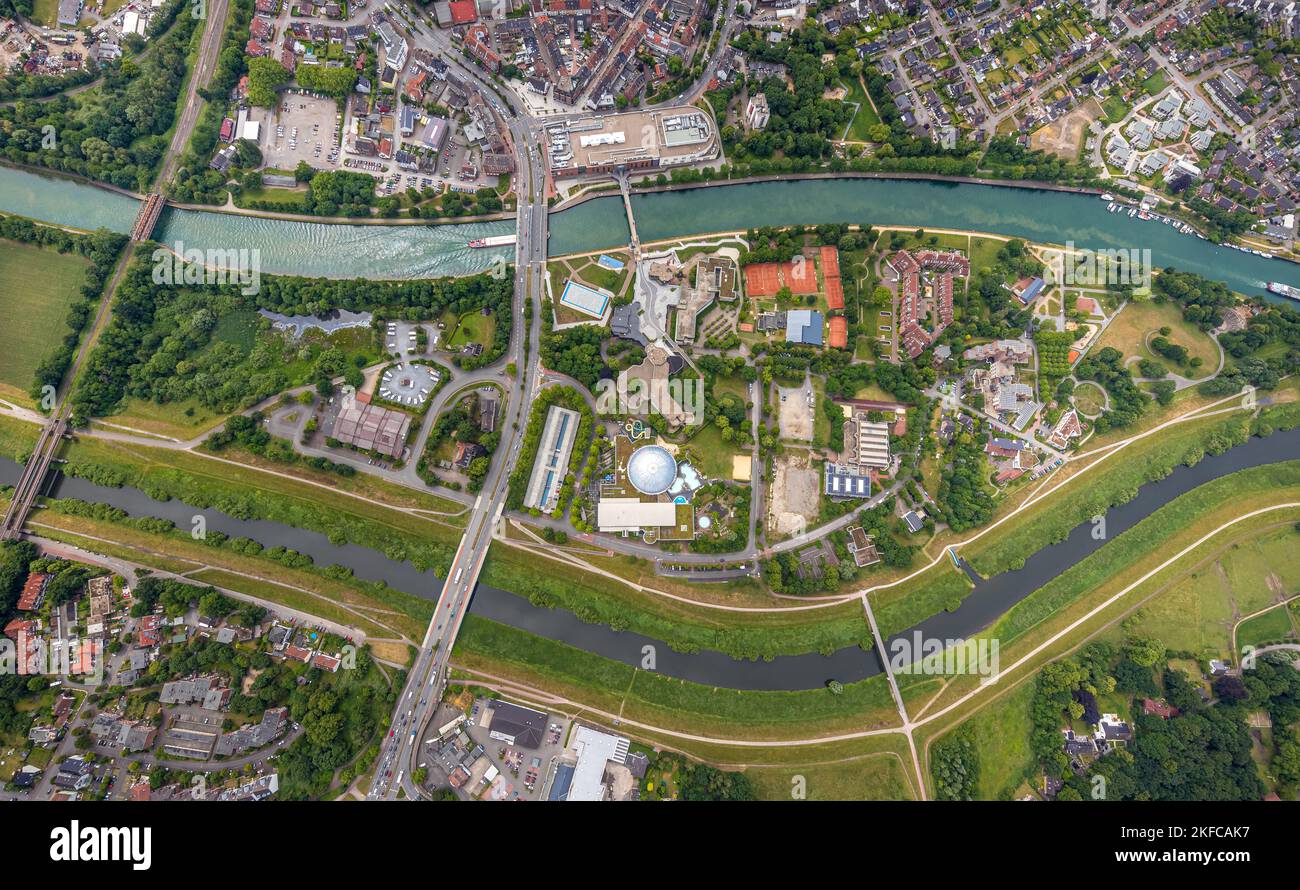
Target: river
{"type": "Point", "coordinates": [989, 600]}
{"type": "Point", "coordinates": [420, 251]}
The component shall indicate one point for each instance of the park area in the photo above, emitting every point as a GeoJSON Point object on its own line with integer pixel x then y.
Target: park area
{"type": "Point", "coordinates": [1134, 329]}
{"type": "Point", "coordinates": [37, 286]}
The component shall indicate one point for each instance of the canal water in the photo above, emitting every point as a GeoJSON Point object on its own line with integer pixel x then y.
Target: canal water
{"type": "Point", "coordinates": [1034, 214]}
{"type": "Point", "coordinates": [285, 247]}
{"type": "Point", "coordinates": [351, 251]}
{"type": "Point", "coordinates": [989, 600]}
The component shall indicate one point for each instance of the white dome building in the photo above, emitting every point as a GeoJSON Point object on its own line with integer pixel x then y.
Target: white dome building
{"type": "Point", "coordinates": [651, 469]}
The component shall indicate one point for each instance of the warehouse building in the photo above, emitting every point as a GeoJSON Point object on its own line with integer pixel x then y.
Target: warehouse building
{"type": "Point", "coordinates": [552, 461]}
{"type": "Point", "coordinates": [371, 428]}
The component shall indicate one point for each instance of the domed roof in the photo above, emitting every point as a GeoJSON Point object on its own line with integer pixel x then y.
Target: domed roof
{"type": "Point", "coordinates": [651, 469]}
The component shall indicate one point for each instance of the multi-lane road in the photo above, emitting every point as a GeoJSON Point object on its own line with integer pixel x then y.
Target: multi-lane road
{"type": "Point", "coordinates": [427, 679]}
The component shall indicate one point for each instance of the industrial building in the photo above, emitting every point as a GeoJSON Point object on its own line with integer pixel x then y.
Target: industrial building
{"type": "Point", "coordinates": [371, 428]}
{"type": "Point", "coordinates": [552, 461]}
{"type": "Point", "coordinates": [516, 725]}
{"type": "Point", "coordinates": [636, 140]}
{"type": "Point", "coordinates": [870, 443]}
{"type": "Point", "coordinates": [617, 515]}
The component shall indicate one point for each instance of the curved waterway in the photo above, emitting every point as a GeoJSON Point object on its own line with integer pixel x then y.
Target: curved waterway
{"type": "Point", "coordinates": [286, 247]}
{"type": "Point", "coordinates": [1034, 214]}
{"type": "Point", "coordinates": [989, 599]}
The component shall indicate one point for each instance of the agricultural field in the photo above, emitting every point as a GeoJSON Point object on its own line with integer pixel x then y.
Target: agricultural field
{"type": "Point", "coordinates": [38, 286]}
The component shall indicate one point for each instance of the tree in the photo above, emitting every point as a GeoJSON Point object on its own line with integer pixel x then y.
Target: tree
{"type": "Point", "coordinates": [265, 77]}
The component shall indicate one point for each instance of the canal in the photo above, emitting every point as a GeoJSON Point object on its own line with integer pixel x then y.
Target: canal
{"type": "Point", "coordinates": [421, 251]}
{"type": "Point", "coordinates": [1033, 214]}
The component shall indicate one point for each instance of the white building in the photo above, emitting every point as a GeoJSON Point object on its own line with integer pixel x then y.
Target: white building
{"type": "Point", "coordinates": [756, 112]}
{"type": "Point", "coordinates": [595, 749]}
{"type": "Point", "coordinates": [617, 515]}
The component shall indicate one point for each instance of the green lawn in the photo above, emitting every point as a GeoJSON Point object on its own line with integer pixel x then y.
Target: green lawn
{"type": "Point", "coordinates": [1141, 322]}
{"type": "Point", "coordinates": [1002, 730]}
{"type": "Point", "coordinates": [1089, 398]}
{"type": "Point", "coordinates": [1271, 627]}
{"type": "Point", "coordinates": [37, 286]}
{"type": "Point", "coordinates": [1115, 108]}
{"type": "Point", "coordinates": [272, 195]}
{"type": "Point", "coordinates": [710, 453]}
{"type": "Point", "coordinates": [875, 777]}
{"type": "Point", "coordinates": [865, 118]}
{"type": "Point", "coordinates": [597, 275]}
{"type": "Point", "coordinates": [473, 327]}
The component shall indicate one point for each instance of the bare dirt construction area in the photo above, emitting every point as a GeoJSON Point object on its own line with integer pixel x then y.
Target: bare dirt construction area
{"type": "Point", "coordinates": [793, 501]}
{"type": "Point", "coordinates": [1064, 136]}
{"type": "Point", "coordinates": [796, 412]}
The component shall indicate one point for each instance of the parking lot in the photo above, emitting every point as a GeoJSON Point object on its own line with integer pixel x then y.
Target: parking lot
{"type": "Point", "coordinates": [400, 338]}
{"type": "Point", "coordinates": [301, 128]}
{"type": "Point", "coordinates": [407, 384]}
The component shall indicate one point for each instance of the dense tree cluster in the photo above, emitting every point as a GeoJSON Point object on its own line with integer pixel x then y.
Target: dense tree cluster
{"type": "Point", "coordinates": [575, 352]}
{"type": "Point", "coordinates": [1053, 352]}
{"type": "Point", "coordinates": [964, 493]}
{"type": "Point", "coordinates": [161, 342]}
{"type": "Point", "coordinates": [1127, 402]}
{"type": "Point", "coordinates": [340, 193]}
{"type": "Point", "coordinates": [116, 132]}
{"type": "Point", "coordinates": [954, 763]}
{"type": "Point", "coordinates": [802, 123]}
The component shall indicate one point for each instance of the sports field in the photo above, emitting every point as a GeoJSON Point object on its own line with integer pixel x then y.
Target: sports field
{"type": "Point", "coordinates": [36, 286]}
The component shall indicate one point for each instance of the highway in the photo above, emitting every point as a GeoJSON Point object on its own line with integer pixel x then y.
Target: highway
{"type": "Point", "coordinates": [426, 681]}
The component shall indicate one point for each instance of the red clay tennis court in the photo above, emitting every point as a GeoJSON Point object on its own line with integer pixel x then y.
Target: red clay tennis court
{"type": "Point", "coordinates": [834, 294]}
{"type": "Point", "coordinates": [830, 262]}
{"type": "Point", "coordinates": [838, 336]}
{"type": "Point", "coordinates": [800, 277]}
{"type": "Point", "coordinates": [761, 279]}
{"type": "Point", "coordinates": [765, 279]}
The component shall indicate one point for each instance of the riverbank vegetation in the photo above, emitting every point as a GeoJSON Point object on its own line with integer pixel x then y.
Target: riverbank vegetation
{"type": "Point", "coordinates": [197, 337]}
{"type": "Point", "coordinates": [667, 702]}
{"type": "Point", "coordinates": [683, 627]}
{"type": "Point", "coordinates": [244, 493]}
